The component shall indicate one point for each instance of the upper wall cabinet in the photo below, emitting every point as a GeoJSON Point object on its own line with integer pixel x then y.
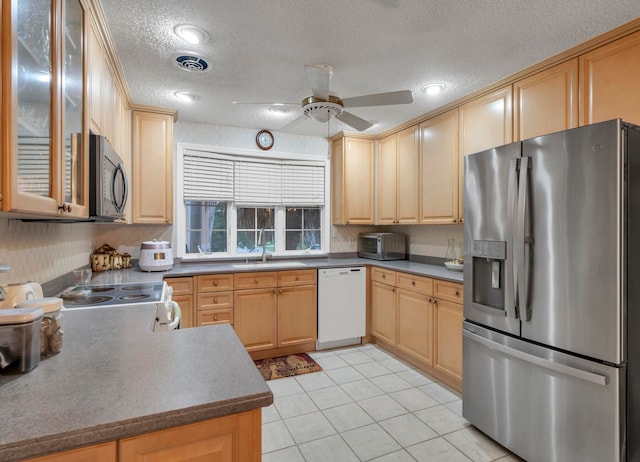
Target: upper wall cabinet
{"type": "Point", "coordinates": [44, 129]}
{"type": "Point", "coordinates": [398, 179]}
{"type": "Point", "coordinates": [546, 102]}
{"type": "Point", "coordinates": [352, 185]}
{"type": "Point", "coordinates": [439, 169]}
{"type": "Point", "coordinates": [609, 82]}
{"type": "Point", "coordinates": [152, 167]}
{"type": "Point", "coordinates": [485, 122]}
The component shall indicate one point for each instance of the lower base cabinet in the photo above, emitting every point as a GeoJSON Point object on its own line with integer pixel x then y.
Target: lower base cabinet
{"type": "Point", "coordinates": [420, 320]}
{"type": "Point", "coordinates": [99, 453]}
{"type": "Point", "coordinates": [234, 438]}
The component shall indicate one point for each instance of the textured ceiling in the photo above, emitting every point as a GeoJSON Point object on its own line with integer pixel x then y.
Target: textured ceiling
{"type": "Point", "coordinates": [258, 49]}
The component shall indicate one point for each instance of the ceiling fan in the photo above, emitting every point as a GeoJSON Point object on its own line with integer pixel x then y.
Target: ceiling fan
{"type": "Point", "coordinates": [323, 105]}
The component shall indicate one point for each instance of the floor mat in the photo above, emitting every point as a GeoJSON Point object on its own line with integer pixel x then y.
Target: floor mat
{"type": "Point", "coordinates": [286, 366]}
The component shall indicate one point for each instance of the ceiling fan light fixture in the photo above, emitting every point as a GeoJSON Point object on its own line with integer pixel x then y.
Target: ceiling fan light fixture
{"type": "Point", "coordinates": [192, 34]}
{"type": "Point", "coordinates": [321, 110]}
{"type": "Point", "coordinates": [185, 96]}
{"type": "Point", "coordinates": [432, 88]}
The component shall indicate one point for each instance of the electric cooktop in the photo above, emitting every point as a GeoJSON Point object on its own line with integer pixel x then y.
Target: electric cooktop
{"type": "Point", "coordinates": [90, 296]}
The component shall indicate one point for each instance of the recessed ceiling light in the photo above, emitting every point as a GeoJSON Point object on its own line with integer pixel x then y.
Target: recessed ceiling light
{"type": "Point", "coordinates": [192, 34]}
{"type": "Point", "coordinates": [432, 88]}
{"type": "Point", "coordinates": [185, 96]}
{"type": "Point", "coordinates": [278, 109]}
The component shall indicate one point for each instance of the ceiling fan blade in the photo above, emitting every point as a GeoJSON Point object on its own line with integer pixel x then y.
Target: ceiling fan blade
{"type": "Point", "coordinates": [380, 99]}
{"type": "Point", "coordinates": [265, 103]}
{"type": "Point", "coordinates": [354, 121]}
{"type": "Point", "coordinates": [293, 123]}
{"type": "Point", "coordinates": [318, 76]}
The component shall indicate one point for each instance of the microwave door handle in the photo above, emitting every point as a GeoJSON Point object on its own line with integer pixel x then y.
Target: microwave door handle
{"type": "Point", "coordinates": [510, 269]}
{"type": "Point", "coordinates": [520, 243]}
{"type": "Point", "coordinates": [119, 203]}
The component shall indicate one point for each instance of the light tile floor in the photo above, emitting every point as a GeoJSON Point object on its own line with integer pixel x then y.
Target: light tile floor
{"type": "Point", "coordinates": [367, 405]}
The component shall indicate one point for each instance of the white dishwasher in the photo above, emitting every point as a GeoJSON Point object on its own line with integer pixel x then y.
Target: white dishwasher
{"type": "Point", "coordinates": [341, 306]}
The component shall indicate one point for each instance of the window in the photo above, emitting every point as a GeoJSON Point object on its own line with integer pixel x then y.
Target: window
{"type": "Point", "coordinates": [233, 204]}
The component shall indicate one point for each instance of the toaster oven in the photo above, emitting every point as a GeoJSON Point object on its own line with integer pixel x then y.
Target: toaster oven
{"type": "Point", "coordinates": [382, 246]}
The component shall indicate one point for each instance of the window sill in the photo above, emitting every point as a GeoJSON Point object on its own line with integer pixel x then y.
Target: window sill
{"type": "Point", "coordinates": [254, 257]}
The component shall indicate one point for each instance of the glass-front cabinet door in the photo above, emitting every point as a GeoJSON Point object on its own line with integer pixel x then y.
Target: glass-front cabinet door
{"type": "Point", "coordinates": [75, 152]}
{"type": "Point", "coordinates": [43, 134]}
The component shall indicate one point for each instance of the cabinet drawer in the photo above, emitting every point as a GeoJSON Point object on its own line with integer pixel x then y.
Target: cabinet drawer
{"type": "Point", "coordinates": [215, 282]}
{"type": "Point", "coordinates": [208, 317]}
{"type": "Point", "coordinates": [297, 278]}
{"type": "Point", "coordinates": [181, 286]}
{"type": "Point", "coordinates": [383, 275]}
{"type": "Point", "coordinates": [420, 284]}
{"type": "Point", "coordinates": [257, 280]}
{"type": "Point", "coordinates": [446, 290]}
{"type": "Point", "coordinates": [215, 300]}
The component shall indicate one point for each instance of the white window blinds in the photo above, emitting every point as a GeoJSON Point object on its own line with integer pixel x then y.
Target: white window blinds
{"type": "Point", "coordinates": [302, 185]}
{"type": "Point", "coordinates": [220, 177]}
{"type": "Point", "coordinates": [258, 183]}
{"type": "Point", "coordinates": [207, 178]}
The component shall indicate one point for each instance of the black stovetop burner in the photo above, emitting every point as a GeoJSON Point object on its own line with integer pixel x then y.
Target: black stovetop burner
{"type": "Point", "coordinates": [88, 296]}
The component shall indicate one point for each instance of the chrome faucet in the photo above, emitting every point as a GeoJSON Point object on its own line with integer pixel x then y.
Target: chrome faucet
{"type": "Point", "coordinates": [262, 238]}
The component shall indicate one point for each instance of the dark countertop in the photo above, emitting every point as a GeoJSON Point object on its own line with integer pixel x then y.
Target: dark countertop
{"type": "Point", "coordinates": [115, 378]}
{"type": "Point", "coordinates": [182, 269]}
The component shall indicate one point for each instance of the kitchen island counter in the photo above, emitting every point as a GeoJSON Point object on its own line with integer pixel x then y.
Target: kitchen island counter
{"type": "Point", "coordinates": [115, 378]}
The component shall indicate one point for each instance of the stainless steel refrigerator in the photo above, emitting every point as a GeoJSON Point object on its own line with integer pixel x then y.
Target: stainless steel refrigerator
{"type": "Point", "coordinates": [551, 337]}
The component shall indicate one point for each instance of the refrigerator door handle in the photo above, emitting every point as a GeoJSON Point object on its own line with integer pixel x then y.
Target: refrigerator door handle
{"type": "Point", "coordinates": [519, 244]}
{"type": "Point", "coordinates": [592, 377]}
{"type": "Point", "coordinates": [510, 270]}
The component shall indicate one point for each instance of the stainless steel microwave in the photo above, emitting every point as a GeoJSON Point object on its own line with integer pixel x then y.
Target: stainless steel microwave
{"type": "Point", "coordinates": [108, 187]}
{"type": "Point", "coordinates": [382, 246]}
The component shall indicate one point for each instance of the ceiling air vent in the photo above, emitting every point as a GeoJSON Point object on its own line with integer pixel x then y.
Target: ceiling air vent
{"type": "Point", "coordinates": [192, 63]}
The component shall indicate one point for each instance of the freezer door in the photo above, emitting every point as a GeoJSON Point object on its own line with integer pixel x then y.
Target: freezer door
{"type": "Point", "coordinates": [541, 404]}
{"type": "Point", "coordinates": [489, 206]}
{"type": "Point", "coordinates": [573, 242]}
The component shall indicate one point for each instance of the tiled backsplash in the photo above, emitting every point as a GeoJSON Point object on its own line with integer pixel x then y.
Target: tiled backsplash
{"type": "Point", "coordinates": [430, 240]}
{"type": "Point", "coordinates": [44, 251]}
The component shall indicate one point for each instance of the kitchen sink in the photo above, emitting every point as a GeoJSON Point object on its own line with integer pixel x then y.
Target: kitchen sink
{"type": "Point", "coordinates": [278, 264]}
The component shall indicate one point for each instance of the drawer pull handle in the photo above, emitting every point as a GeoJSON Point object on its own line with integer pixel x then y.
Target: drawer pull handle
{"type": "Point", "coordinates": [215, 283]}
{"type": "Point", "coordinates": [384, 276]}
{"type": "Point", "coordinates": [215, 318]}
{"type": "Point", "coordinates": [215, 300]}
{"type": "Point", "coordinates": [275, 291]}
{"type": "Point", "coordinates": [393, 290]}
{"type": "Point", "coordinates": [255, 280]}
{"type": "Point", "coordinates": [280, 291]}
{"type": "Point", "coordinates": [456, 293]}
{"type": "Point", "coordinates": [413, 283]}
{"type": "Point", "coordinates": [297, 278]}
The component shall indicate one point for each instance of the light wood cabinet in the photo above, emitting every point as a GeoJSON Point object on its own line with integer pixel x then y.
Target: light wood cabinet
{"type": "Point", "coordinates": [609, 82]}
{"type": "Point", "coordinates": [297, 315]}
{"type": "Point", "coordinates": [415, 324]}
{"type": "Point", "coordinates": [420, 320]}
{"type": "Point", "coordinates": [546, 102]}
{"type": "Point", "coordinates": [352, 181]}
{"type": "Point", "coordinates": [215, 299]}
{"type": "Point", "coordinates": [484, 123]}
{"type": "Point", "coordinates": [383, 312]}
{"type": "Point", "coordinates": [275, 310]}
{"type": "Point", "coordinates": [398, 182]}
{"type": "Point", "coordinates": [448, 317]}
{"type": "Point", "coordinates": [439, 173]}
{"type": "Point", "coordinates": [99, 453]}
{"type": "Point", "coordinates": [152, 161]}
{"type": "Point", "coordinates": [386, 188]}
{"type": "Point", "coordinates": [256, 318]}
{"type": "Point", "coordinates": [233, 438]}
{"type": "Point", "coordinates": [44, 131]}
{"type": "Point", "coordinates": [94, 77]}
